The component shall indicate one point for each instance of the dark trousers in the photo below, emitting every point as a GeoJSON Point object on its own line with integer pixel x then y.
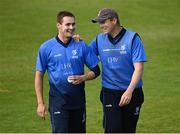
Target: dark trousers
{"type": "Point", "coordinates": [120, 119]}
{"type": "Point", "coordinates": [67, 120]}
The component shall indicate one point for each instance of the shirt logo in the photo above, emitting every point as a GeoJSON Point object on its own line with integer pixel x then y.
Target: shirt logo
{"type": "Point", "coordinates": [108, 50]}
{"type": "Point", "coordinates": [112, 60]}
{"type": "Point", "coordinates": [123, 49]}
{"type": "Point", "coordinates": [74, 54]}
{"type": "Point", "coordinates": [57, 55]}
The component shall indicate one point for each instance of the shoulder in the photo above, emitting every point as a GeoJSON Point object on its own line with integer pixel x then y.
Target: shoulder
{"type": "Point", "coordinates": [80, 43]}
{"type": "Point", "coordinates": [130, 32]}
{"type": "Point", "coordinates": [48, 44]}
{"type": "Point", "coordinates": [101, 35]}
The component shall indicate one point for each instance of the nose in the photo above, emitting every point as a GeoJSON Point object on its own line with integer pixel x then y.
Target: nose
{"type": "Point", "coordinates": [71, 27]}
{"type": "Point", "coordinates": [101, 25]}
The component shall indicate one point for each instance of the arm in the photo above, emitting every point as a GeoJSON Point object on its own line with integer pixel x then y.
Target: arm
{"type": "Point", "coordinates": [76, 37]}
{"type": "Point", "coordinates": [94, 45]}
{"type": "Point", "coordinates": [138, 58]}
{"type": "Point", "coordinates": [126, 97]}
{"type": "Point", "coordinates": [41, 108]}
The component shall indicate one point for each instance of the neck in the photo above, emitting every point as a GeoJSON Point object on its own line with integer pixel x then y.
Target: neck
{"type": "Point", "coordinates": [115, 31]}
{"type": "Point", "coordinates": [63, 38]}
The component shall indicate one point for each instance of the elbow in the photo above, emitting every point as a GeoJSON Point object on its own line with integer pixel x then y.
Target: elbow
{"type": "Point", "coordinates": [96, 71]}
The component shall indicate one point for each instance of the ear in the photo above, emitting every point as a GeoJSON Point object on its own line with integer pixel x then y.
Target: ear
{"type": "Point", "coordinates": [58, 25]}
{"type": "Point", "coordinates": [114, 20]}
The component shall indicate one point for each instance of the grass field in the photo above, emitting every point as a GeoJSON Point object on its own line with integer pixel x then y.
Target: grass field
{"type": "Point", "coordinates": [24, 25]}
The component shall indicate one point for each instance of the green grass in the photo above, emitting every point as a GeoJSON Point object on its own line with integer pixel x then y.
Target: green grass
{"type": "Point", "coordinates": [24, 25]}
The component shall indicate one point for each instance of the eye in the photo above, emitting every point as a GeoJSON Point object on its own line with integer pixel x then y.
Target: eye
{"type": "Point", "coordinates": [70, 24]}
{"type": "Point", "coordinates": [102, 22]}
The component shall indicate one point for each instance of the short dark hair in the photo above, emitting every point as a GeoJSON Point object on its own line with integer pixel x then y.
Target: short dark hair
{"type": "Point", "coordinates": [63, 14]}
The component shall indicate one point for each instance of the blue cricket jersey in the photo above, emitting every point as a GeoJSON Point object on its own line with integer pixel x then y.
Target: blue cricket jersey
{"type": "Point", "coordinates": [118, 58]}
{"type": "Point", "coordinates": [61, 62]}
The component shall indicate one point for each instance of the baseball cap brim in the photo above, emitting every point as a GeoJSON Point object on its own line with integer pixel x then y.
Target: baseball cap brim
{"type": "Point", "coordinates": [94, 21]}
{"type": "Point", "coordinates": [98, 19]}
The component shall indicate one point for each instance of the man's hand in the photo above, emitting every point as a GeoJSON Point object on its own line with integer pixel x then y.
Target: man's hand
{"type": "Point", "coordinates": [76, 37]}
{"type": "Point", "coordinates": [125, 98]}
{"type": "Point", "coordinates": [77, 79]}
{"type": "Point", "coordinates": [41, 110]}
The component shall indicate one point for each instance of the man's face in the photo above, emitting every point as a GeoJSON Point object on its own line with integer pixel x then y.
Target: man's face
{"type": "Point", "coordinates": [107, 26]}
{"type": "Point", "coordinates": [67, 26]}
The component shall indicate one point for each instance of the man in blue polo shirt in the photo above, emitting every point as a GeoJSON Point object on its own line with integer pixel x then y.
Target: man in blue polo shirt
{"type": "Point", "coordinates": [64, 60]}
{"type": "Point", "coordinates": [122, 56]}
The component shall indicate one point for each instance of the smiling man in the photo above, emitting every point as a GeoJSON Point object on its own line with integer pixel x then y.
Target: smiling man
{"type": "Point", "coordinates": [122, 56]}
{"type": "Point", "coordinates": [64, 60]}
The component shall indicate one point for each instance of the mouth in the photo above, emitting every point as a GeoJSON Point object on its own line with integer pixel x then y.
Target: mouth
{"type": "Point", "coordinates": [70, 31]}
{"type": "Point", "coordinates": [104, 29]}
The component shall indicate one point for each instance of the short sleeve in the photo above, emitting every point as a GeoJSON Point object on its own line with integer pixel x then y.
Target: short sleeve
{"type": "Point", "coordinates": [41, 62]}
{"type": "Point", "coordinates": [138, 52]}
{"type": "Point", "coordinates": [94, 46]}
{"type": "Point", "coordinates": [91, 59]}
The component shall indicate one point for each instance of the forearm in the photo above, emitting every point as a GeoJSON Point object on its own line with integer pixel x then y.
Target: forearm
{"type": "Point", "coordinates": [95, 72]}
{"type": "Point", "coordinates": [89, 76]}
{"type": "Point", "coordinates": [135, 77]}
{"type": "Point", "coordinates": [39, 87]}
